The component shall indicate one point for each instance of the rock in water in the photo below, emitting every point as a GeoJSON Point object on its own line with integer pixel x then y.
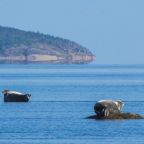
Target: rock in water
{"type": "Point", "coordinates": [117, 116]}
{"type": "Point", "coordinates": [125, 116]}
{"type": "Point", "coordinates": [112, 109]}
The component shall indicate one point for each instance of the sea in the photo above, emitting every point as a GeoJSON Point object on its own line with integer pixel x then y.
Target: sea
{"type": "Point", "coordinates": [63, 96]}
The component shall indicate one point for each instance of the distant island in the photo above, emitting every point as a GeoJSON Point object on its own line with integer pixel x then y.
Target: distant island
{"type": "Point", "coordinates": [18, 46]}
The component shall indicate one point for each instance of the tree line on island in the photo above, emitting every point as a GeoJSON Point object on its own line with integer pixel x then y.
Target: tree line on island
{"type": "Point", "coordinates": [33, 45]}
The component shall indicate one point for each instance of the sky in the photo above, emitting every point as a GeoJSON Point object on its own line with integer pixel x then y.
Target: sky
{"type": "Point", "coordinates": [112, 29]}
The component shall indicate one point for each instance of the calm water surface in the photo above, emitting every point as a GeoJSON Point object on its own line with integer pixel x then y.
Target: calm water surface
{"type": "Point", "coordinates": [62, 96]}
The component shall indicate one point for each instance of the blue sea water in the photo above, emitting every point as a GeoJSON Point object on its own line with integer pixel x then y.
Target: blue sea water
{"type": "Point", "coordinates": [63, 96]}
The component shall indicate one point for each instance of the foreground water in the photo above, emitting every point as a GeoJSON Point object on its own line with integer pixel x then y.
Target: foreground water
{"type": "Point", "coordinates": [62, 96]}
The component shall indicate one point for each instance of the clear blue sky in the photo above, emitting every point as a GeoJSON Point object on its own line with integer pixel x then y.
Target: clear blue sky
{"type": "Point", "coordinates": [112, 29]}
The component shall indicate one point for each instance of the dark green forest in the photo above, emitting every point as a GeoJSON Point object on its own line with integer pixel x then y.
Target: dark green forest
{"type": "Point", "coordinates": [19, 46]}
{"type": "Point", "coordinates": [11, 37]}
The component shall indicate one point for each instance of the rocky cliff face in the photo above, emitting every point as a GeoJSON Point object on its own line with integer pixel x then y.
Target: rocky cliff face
{"type": "Point", "coordinates": [17, 46]}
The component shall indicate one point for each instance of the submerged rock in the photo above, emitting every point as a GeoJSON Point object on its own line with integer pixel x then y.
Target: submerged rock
{"type": "Point", "coordinates": [117, 116]}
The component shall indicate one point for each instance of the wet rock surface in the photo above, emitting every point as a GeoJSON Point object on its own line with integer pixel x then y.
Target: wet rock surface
{"type": "Point", "coordinates": [117, 116]}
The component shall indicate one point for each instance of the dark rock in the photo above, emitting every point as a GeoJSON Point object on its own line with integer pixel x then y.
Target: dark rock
{"type": "Point", "coordinates": [117, 116]}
